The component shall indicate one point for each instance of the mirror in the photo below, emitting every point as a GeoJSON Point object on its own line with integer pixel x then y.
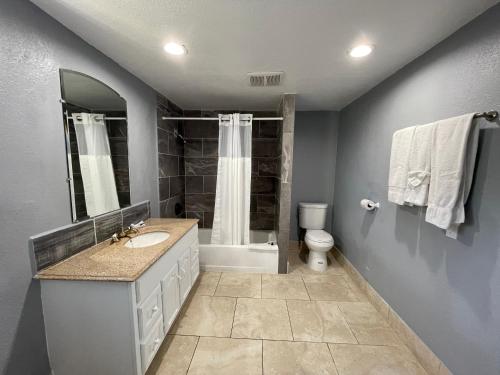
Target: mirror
{"type": "Point", "coordinates": [95, 128]}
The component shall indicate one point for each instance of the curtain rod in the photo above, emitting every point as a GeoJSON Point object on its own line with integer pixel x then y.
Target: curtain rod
{"type": "Point", "coordinates": [105, 118]}
{"type": "Point", "coordinates": [217, 119]}
{"type": "Point", "coordinates": [490, 115]}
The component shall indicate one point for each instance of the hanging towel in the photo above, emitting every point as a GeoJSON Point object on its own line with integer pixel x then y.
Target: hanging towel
{"type": "Point", "coordinates": [453, 155]}
{"type": "Point", "coordinates": [398, 169]}
{"type": "Point", "coordinates": [419, 166]}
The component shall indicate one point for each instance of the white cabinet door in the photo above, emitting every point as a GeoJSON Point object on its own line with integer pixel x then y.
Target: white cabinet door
{"type": "Point", "coordinates": [185, 274]}
{"type": "Point", "coordinates": [171, 297]}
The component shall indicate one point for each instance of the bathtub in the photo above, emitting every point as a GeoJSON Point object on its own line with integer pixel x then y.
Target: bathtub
{"type": "Point", "coordinates": [261, 255]}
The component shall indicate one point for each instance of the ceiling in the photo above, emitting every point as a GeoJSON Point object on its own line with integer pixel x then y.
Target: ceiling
{"type": "Point", "coordinates": [226, 39]}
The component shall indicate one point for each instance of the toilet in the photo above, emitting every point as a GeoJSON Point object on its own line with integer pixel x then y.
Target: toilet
{"type": "Point", "coordinates": [312, 217]}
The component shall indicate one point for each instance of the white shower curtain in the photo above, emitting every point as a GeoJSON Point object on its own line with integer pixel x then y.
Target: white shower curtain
{"type": "Point", "coordinates": [232, 199]}
{"type": "Point", "coordinates": [95, 163]}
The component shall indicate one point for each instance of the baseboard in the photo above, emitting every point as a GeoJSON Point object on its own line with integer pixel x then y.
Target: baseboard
{"type": "Point", "coordinates": [429, 361]}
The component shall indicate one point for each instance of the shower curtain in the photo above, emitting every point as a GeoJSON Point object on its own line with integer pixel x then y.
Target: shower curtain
{"type": "Point", "coordinates": [95, 163]}
{"type": "Point", "coordinates": [232, 199]}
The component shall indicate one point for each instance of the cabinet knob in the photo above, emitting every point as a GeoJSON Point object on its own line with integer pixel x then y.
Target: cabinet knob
{"type": "Point", "coordinates": [155, 309]}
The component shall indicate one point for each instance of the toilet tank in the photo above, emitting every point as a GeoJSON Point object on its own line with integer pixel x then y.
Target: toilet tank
{"type": "Point", "coordinates": [312, 215]}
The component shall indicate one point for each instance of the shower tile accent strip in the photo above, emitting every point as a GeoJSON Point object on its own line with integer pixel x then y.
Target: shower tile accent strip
{"type": "Point", "coordinates": [201, 160]}
{"type": "Point", "coordinates": [58, 244]}
{"type": "Point", "coordinates": [282, 222]}
{"type": "Point", "coordinates": [171, 149]}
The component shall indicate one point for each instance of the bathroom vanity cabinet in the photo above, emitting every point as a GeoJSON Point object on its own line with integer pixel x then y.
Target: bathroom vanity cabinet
{"type": "Point", "coordinates": [116, 327]}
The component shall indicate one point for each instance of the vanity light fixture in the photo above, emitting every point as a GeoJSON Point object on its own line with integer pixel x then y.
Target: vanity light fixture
{"type": "Point", "coordinates": [361, 51]}
{"type": "Point", "coordinates": [175, 49]}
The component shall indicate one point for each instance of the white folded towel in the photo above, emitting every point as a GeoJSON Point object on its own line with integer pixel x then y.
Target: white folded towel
{"type": "Point", "coordinates": [419, 166]}
{"type": "Point", "coordinates": [398, 169]}
{"type": "Point", "coordinates": [453, 156]}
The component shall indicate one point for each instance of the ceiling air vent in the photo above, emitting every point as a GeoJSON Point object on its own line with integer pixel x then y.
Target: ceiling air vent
{"type": "Point", "coordinates": [261, 79]}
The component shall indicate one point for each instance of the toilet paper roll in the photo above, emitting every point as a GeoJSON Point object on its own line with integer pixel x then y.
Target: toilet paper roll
{"type": "Point", "coordinates": [368, 204]}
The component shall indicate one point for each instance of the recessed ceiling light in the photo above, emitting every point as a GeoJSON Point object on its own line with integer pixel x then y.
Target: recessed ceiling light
{"type": "Point", "coordinates": [175, 49]}
{"type": "Point", "coordinates": [361, 51]}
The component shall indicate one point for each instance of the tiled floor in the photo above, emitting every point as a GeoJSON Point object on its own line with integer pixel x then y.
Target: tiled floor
{"type": "Point", "coordinates": [300, 323]}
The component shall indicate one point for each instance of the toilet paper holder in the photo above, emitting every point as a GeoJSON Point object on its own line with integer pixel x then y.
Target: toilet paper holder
{"type": "Point", "coordinates": [369, 205]}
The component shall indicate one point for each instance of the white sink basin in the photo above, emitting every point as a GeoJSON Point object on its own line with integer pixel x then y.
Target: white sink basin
{"type": "Point", "coordinates": [147, 239]}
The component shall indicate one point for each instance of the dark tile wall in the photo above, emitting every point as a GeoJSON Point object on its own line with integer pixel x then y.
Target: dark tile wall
{"type": "Point", "coordinates": [117, 134]}
{"type": "Point", "coordinates": [171, 149]}
{"type": "Point", "coordinates": [56, 245]}
{"type": "Point", "coordinates": [201, 158]}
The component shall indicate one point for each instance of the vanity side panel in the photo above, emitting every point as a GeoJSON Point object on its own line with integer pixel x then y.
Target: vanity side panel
{"type": "Point", "coordinates": [89, 327]}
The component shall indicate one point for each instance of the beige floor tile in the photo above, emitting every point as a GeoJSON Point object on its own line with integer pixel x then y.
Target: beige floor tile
{"type": "Point", "coordinates": [319, 321]}
{"type": "Point", "coordinates": [283, 287]}
{"type": "Point", "coordinates": [261, 319]}
{"type": "Point", "coordinates": [207, 283]}
{"type": "Point", "coordinates": [376, 335]}
{"type": "Point", "coordinates": [206, 316]}
{"type": "Point", "coordinates": [174, 356]}
{"type": "Point", "coordinates": [298, 264]}
{"type": "Point", "coordinates": [362, 314]}
{"type": "Point", "coordinates": [355, 289]}
{"type": "Point", "coordinates": [236, 284]}
{"type": "Point", "coordinates": [285, 357]}
{"type": "Point", "coordinates": [221, 356]}
{"type": "Point", "coordinates": [371, 360]}
{"type": "Point", "coordinates": [328, 288]}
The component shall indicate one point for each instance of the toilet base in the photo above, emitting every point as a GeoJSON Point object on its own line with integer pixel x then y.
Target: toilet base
{"type": "Point", "coordinates": [317, 261]}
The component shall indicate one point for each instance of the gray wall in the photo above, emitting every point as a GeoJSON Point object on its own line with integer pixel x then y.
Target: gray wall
{"type": "Point", "coordinates": [33, 191]}
{"type": "Point", "coordinates": [447, 290]}
{"type": "Point", "coordinates": [315, 149]}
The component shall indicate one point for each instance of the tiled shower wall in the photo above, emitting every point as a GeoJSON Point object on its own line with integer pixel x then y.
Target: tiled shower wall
{"type": "Point", "coordinates": [201, 157]}
{"type": "Point", "coordinates": [171, 180]}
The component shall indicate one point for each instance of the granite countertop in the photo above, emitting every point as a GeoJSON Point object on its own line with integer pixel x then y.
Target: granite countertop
{"type": "Point", "coordinates": [109, 261]}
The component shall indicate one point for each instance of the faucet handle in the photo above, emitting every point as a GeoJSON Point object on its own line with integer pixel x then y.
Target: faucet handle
{"type": "Point", "coordinates": [140, 224]}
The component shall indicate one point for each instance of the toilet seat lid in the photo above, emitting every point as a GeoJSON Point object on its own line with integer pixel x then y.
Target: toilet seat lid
{"type": "Point", "coordinates": [320, 236]}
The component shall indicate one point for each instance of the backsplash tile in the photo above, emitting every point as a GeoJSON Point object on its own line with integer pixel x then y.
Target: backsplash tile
{"type": "Point", "coordinates": [135, 213]}
{"type": "Point", "coordinates": [108, 224]}
{"type": "Point", "coordinates": [56, 245]}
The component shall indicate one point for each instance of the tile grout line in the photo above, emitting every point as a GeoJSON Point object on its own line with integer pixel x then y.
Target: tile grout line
{"type": "Point", "coordinates": [234, 315]}
{"type": "Point", "coordinates": [218, 281]}
{"type": "Point", "coordinates": [305, 287]}
{"type": "Point", "coordinates": [194, 351]}
{"type": "Point", "coordinates": [333, 359]}
{"type": "Point", "coordinates": [262, 355]}
{"type": "Point", "coordinates": [347, 323]}
{"type": "Point", "coordinates": [289, 320]}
